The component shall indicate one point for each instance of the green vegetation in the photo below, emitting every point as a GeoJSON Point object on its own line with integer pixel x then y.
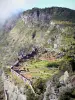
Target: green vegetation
{"type": "Point", "coordinates": [39, 69]}
{"type": "Point", "coordinates": [7, 71]}
{"type": "Point", "coordinates": [68, 62]}
{"type": "Point", "coordinates": [68, 95]}
{"type": "Point", "coordinates": [60, 22]}
{"type": "Point", "coordinates": [30, 95]}
{"type": "Point", "coordinates": [53, 65]}
{"type": "Point", "coordinates": [1, 89]}
{"type": "Point", "coordinates": [17, 80]}
{"type": "Point", "coordinates": [0, 65]}
{"type": "Point", "coordinates": [58, 13]}
{"type": "Point", "coordinates": [13, 77]}
{"type": "Point", "coordinates": [58, 30]}
{"type": "Point", "coordinates": [39, 86]}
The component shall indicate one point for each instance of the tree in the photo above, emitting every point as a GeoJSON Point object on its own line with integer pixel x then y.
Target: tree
{"type": "Point", "coordinates": [39, 86]}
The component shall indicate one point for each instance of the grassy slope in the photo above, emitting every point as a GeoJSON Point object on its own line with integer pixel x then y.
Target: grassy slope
{"type": "Point", "coordinates": [39, 69]}
{"type": "Point", "coordinates": [20, 37]}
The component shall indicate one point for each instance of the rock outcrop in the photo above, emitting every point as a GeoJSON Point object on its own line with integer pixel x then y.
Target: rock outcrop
{"type": "Point", "coordinates": [64, 78]}
{"type": "Point", "coordinates": [50, 29]}
{"type": "Point", "coordinates": [43, 17]}
{"type": "Point", "coordinates": [12, 92]}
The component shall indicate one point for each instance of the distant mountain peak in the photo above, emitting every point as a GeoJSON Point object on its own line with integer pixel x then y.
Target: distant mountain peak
{"type": "Point", "coordinates": [45, 15]}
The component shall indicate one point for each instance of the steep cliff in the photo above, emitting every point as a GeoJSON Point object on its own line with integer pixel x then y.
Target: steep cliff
{"type": "Point", "coordinates": [11, 91]}
{"type": "Point", "coordinates": [43, 17]}
{"type": "Point", "coordinates": [49, 29]}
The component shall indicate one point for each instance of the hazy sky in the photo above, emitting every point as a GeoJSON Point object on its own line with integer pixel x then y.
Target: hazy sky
{"type": "Point", "coordinates": [9, 7]}
{"type": "Point", "coordinates": [60, 3]}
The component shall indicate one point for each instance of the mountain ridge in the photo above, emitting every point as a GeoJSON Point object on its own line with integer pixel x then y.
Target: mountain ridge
{"type": "Point", "coordinates": [37, 15]}
{"type": "Point", "coordinates": [46, 35]}
{"type": "Point", "coordinates": [50, 31]}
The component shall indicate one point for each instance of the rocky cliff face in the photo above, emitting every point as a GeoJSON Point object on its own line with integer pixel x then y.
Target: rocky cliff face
{"type": "Point", "coordinates": [2, 95]}
{"type": "Point", "coordinates": [11, 91]}
{"type": "Point", "coordinates": [9, 24]}
{"type": "Point", "coordinates": [50, 29]}
{"type": "Point", "coordinates": [43, 17]}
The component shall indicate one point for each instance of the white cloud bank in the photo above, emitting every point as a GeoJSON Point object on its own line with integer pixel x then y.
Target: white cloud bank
{"type": "Point", "coordinates": [9, 7]}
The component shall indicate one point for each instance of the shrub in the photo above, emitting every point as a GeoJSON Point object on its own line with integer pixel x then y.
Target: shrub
{"type": "Point", "coordinates": [65, 65]}
{"type": "Point", "coordinates": [7, 71]}
{"type": "Point", "coordinates": [53, 64]}
{"type": "Point", "coordinates": [30, 95]}
{"type": "Point", "coordinates": [39, 86]}
{"type": "Point", "coordinates": [68, 62]}
{"type": "Point", "coordinates": [67, 95]}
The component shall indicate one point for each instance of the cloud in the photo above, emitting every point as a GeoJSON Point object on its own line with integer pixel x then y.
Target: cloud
{"type": "Point", "coordinates": [9, 7]}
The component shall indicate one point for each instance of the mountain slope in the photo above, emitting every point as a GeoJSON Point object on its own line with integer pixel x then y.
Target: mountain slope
{"type": "Point", "coordinates": [49, 29]}
{"type": "Point", "coordinates": [40, 28]}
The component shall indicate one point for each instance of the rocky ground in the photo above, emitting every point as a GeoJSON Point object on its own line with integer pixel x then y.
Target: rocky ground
{"type": "Point", "coordinates": [12, 92]}
{"type": "Point", "coordinates": [50, 30]}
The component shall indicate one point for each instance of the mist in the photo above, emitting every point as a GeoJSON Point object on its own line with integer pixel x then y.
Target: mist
{"type": "Point", "coordinates": [9, 8]}
{"type": "Point", "coordinates": [14, 7]}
